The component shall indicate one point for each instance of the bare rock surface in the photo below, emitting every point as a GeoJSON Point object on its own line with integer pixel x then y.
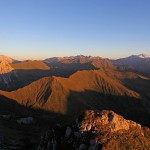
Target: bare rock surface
{"type": "Point", "coordinates": [95, 130]}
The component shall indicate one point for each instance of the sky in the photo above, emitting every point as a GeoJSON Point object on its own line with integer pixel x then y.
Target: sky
{"type": "Point", "coordinates": [37, 29]}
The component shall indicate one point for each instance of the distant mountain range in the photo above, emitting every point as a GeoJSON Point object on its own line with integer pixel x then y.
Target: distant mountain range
{"type": "Point", "coordinates": [21, 73]}
{"type": "Point", "coordinates": [79, 62]}
{"type": "Point", "coordinates": [38, 94]}
{"type": "Point", "coordinates": [15, 74]}
{"type": "Point", "coordinates": [137, 63]}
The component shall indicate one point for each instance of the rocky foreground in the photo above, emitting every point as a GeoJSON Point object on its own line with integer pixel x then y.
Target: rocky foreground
{"type": "Point", "coordinates": [95, 130]}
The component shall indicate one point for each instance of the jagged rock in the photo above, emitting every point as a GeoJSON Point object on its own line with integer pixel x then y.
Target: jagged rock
{"type": "Point", "coordinates": [106, 119]}
{"type": "Point", "coordinates": [95, 130]}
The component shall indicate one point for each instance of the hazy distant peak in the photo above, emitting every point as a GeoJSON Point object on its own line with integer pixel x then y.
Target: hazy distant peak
{"type": "Point", "coordinates": [74, 58]}
{"type": "Point", "coordinates": [144, 55]}
{"type": "Point", "coordinates": [137, 57]}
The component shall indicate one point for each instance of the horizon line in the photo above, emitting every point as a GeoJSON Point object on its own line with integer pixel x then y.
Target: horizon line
{"type": "Point", "coordinates": [24, 59]}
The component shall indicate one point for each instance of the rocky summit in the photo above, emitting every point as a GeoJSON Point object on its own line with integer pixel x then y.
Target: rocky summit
{"type": "Point", "coordinates": [96, 130]}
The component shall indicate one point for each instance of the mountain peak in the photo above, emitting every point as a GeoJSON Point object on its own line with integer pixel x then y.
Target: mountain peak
{"type": "Point", "coordinates": [5, 67]}
{"type": "Point", "coordinates": [144, 55]}
{"type": "Point", "coordinates": [6, 59]}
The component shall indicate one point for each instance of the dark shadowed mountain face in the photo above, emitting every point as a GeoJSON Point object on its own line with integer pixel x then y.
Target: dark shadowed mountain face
{"type": "Point", "coordinates": [137, 63]}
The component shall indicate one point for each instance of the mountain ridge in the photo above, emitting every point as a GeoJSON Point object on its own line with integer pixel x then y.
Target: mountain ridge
{"type": "Point", "coordinates": [93, 80]}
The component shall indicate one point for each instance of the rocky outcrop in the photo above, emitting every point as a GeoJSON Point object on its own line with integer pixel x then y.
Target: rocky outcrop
{"type": "Point", "coordinates": [95, 130]}
{"type": "Point", "coordinates": [105, 120]}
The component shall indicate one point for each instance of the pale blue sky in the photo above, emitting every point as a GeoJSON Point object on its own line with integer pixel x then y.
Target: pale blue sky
{"type": "Point", "coordinates": [38, 29]}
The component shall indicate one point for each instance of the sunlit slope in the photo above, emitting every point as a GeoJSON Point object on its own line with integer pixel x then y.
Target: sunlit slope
{"type": "Point", "coordinates": [30, 65]}
{"type": "Point", "coordinates": [51, 93]}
